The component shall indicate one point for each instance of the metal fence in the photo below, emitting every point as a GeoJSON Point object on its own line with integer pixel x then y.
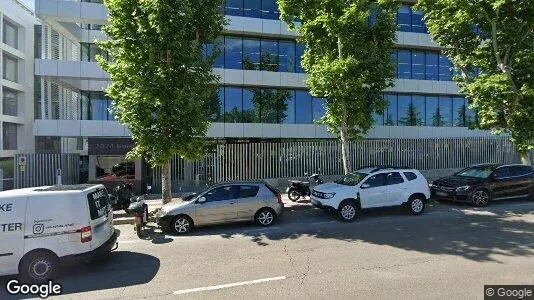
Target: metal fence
{"type": "Point", "coordinates": [294, 158]}
{"type": "Point", "coordinates": [40, 169]}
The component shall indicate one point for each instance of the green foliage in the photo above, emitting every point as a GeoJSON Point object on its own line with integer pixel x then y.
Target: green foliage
{"type": "Point", "coordinates": [347, 58]}
{"type": "Point", "coordinates": [503, 52]}
{"type": "Point", "coordinates": [161, 84]}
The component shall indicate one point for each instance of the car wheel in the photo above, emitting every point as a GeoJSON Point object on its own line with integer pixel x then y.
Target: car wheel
{"type": "Point", "coordinates": [348, 211]}
{"type": "Point", "coordinates": [39, 266]}
{"type": "Point", "coordinates": [480, 198]}
{"type": "Point", "coordinates": [265, 217]}
{"type": "Point", "coordinates": [416, 206]}
{"type": "Point", "coordinates": [293, 195]}
{"type": "Point", "coordinates": [181, 224]}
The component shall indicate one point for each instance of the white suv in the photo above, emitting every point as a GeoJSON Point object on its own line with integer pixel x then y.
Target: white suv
{"type": "Point", "coordinates": [373, 187]}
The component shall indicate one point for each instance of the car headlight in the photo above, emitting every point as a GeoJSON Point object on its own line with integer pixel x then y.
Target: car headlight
{"type": "Point", "coordinates": [329, 195]}
{"type": "Point", "coordinates": [462, 188]}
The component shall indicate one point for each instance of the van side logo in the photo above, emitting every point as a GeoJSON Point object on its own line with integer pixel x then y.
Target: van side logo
{"type": "Point", "coordinates": [38, 228]}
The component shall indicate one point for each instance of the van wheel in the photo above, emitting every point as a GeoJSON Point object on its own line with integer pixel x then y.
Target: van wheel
{"type": "Point", "coordinates": [39, 266]}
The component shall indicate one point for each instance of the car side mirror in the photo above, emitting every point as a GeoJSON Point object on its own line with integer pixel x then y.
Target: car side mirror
{"type": "Point", "coordinates": [201, 200]}
{"type": "Point", "coordinates": [366, 185]}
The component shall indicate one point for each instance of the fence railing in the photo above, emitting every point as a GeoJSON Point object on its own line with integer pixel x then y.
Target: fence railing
{"type": "Point", "coordinates": [41, 169]}
{"type": "Point", "coordinates": [292, 159]}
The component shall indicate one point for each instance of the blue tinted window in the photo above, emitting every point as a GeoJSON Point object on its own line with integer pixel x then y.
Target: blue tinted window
{"type": "Point", "coordinates": [432, 112]}
{"type": "Point", "coordinates": [209, 50]}
{"type": "Point", "coordinates": [269, 55]}
{"type": "Point", "coordinates": [445, 109]}
{"type": "Point", "coordinates": [431, 68]}
{"type": "Point", "coordinates": [252, 8]}
{"type": "Point", "coordinates": [251, 54]}
{"type": "Point", "coordinates": [304, 107]}
{"type": "Point", "coordinates": [404, 102]}
{"type": "Point", "coordinates": [459, 111]}
{"type": "Point", "coordinates": [216, 109]}
{"type": "Point", "coordinates": [288, 111]}
{"type": "Point", "coordinates": [445, 73]}
{"type": "Point", "coordinates": [379, 118]}
{"type": "Point", "coordinates": [318, 108]}
{"type": "Point", "coordinates": [234, 8]}
{"type": "Point", "coordinates": [418, 110]}
{"type": "Point", "coordinates": [233, 104]}
{"type": "Point", "coordinates": [418, 25]}
{"type": "Point", "coordinates": [404, 18]}
{"type": "Point", "coordinates": [470, 115]}
{"type": "Point", "coordinates": [393, 56]}
{"type": "Point", "coordinates": [251, 105]}
{"type": "Point", "coordinates": [271, 105]}
{"type": "Point", "coordinates": [233, 53]}
{"type": "Point", "coordinates": [287, 56]}
{"type": "Point", "coordinates": [269, 9]}
{"type": "Point", "coordinates": [391, 112]}
{"type": "Point", "coordinates": [298, 55]}
{"type": "Point", "coordinates": [418, 65]}
{"type": "Point", "coordinates": [404, 64]}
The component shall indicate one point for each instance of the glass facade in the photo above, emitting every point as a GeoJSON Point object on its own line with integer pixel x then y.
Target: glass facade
{"type": "Point", "coordinates": [243, 53]}
{"type": "Point", "coordinates": [10, 66]}
{"type": "Point", "coordinates": [288, 106]}
{"type": "Point", "coordinates": [410, 20]}
{"type": "Point", "coordinates": [95, 106]}
{"type": "Point", "coordinates": [265, 9]}
{"type": "Point", "coordinates": [10, 102]}
{"type": "Point", "coordinates": [422, 110]}
{"type": "Point", "coordinates": [268, 105]}
{"type": "Point", "coordinates": [422, 65]}
{"type": "Point", "coordinates": [11, 34]}
{"type": "Point", "coordinates": [9, 136]}
{"type": "Point", "coordinates": [89, 51]}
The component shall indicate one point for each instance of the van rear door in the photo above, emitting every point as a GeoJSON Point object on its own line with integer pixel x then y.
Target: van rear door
{"type": "Point", "coordinates": [101, 216]}
{"type": "Point", "coordinates": [12, 215]}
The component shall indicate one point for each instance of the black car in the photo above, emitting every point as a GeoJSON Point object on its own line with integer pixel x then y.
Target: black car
{"type": "Point", "coordinates": [481, 184]}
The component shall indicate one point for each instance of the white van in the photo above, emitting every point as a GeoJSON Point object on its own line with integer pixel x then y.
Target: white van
{"type": "Point", "coordinates": [41, 228]}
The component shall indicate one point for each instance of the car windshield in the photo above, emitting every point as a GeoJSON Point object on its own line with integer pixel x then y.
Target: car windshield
{"type": "Point", "coordinates": [351, 179]}
{"type": "Point", "coordinates": [477, 172]}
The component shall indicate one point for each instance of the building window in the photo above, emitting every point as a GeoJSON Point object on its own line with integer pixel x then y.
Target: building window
{"type": "Point", "coordinates": [269, 55]}
{"type": "Point", "coordinates": [391, 112]}
{"type": "Point", "coordinates": [251, 54]}
{"type": "Point", "coordinates": [95, 106]}
{"type": "Point", "coordinates": [421, 65]}
{"type": "Point", "coordinates": [233, 53]}
{"type": "Point", "coordinates": [233, 8]}
{"type": "Point", "coordinates": [304, 113]}
{"type": "Point", "coordinates": [10, 102]}
{"type": "Point", "coordinates": [7, 165]}
{"type": "Point", "coordinates": [299, 53]}
{"type": "Point", "coordinates": [286, 55]}
{"type": "Point", "coordinates": [269, 10]}
{"type": "Point", "coordinates": [9, 131]}
{"type": "Point", "coordinates": [431, 66]}
{"type": "Point", "coordinates": [289, 110]}
{"type": "Point", "coordinates": [445, 111]}
{"type": "Point", "coordinates": [418, 24]}
{"type": "Point", "coordinates": [252, 8]}
{"type": "Point", "coordinates": [418, 65]}
{"type": "Point", "coordinates": [89, 51]}
{"type": "Point", "coordinates": [11, 34]}
{"type": "Point", "coordinates": [445, 65]}
{"type": "Point", "coordinates": [233, 104]}
{"type": "Point", "coordinates": [252, 99]}
{"type": "Point", "coordinates": [404, 64]}
{"type": "Point", "coordinates": [432, 115]}
{"type": "Point", "coordinates": [404, 18]}
{"type": "Point", "coordinates": [10, 68]}
{"type": "Point", "coordinates": [318, 108]}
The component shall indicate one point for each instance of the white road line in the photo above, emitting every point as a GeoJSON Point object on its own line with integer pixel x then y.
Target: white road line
{"type": "Point", "coordinates": [127, 242]}
{"type": "Point", "coordinates": [228, 285]}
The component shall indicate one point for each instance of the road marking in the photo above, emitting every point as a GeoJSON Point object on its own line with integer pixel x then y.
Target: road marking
{"type": "Point", "coordinates": [228, 285]}
{"type": "Point", "coordinates": [127, 242]}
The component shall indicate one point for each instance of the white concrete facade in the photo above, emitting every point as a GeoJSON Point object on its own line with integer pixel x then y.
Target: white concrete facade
{"type": "Point", "coordinates": [16, 77]}
{"type": "Point", "coordinates": [61, 15]}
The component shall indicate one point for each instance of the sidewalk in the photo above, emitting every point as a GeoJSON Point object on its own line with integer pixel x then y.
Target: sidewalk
{"type": "Point", "coordinates": [120, 217]}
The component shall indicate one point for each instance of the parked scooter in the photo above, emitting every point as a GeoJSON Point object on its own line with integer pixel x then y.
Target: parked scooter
{"type": "Point", "coordinates": [121, 195]}
{"type": "Point", "coordinates": [299, 189]}
{"type": "Point", "coordinates": [139, 209]}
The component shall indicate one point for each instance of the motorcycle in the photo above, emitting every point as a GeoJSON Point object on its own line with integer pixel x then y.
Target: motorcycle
{"type": "Point", "coordinates": [139, 209]}
{"type": "Point", "coordinates": [299, 189]}
{"type": "Point", "coordinates": [120, 197]}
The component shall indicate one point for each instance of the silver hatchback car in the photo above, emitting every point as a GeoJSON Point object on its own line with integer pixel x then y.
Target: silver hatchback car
{"type": "Point", "coordinates": [223, 203]}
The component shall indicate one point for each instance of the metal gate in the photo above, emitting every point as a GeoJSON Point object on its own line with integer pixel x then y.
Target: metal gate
{"type": "Point", "coordinates": [41, 169]}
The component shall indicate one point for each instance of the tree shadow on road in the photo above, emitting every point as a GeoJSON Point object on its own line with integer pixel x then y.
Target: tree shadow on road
{"type": "Point", "coordinates": [476, 234]}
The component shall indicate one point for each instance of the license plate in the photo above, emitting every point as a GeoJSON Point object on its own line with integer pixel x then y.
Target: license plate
{"type": "Point", "coordinates": [441, 194]}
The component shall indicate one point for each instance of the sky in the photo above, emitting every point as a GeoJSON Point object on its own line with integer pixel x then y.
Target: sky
{"type": "Point", "coordinates": [30, 4]}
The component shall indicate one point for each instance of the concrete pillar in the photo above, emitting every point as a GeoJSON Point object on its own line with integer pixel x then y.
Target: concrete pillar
{"type": "Point", "coordinates": [92, 167]}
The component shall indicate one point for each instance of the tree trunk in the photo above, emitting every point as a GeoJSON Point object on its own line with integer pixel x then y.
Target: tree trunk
{"type": "Point", "coordinates": [345, 149]}
{"type": "Point", "coordinates": [525, 159]}
{"type": "Point", "coordinates": [166, 183]}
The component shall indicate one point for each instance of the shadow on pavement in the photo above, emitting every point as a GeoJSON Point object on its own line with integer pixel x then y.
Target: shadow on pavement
{"type": "Point", "coordinates": [476, 234]}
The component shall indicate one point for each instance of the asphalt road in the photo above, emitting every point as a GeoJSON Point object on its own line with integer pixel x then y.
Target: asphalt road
{"type": "Point", "coordinates": [449, 252]}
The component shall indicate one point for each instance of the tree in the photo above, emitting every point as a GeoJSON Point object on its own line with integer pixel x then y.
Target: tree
{"type": "Point", "coordinates": [347, 58]}
{"type": "Point", "coordinates": [437, 118]}
{"type": "Point", "coordinates": [161, 82]}
{"type": "Point", "coordinates": [412, 117]}
{"type": "Point", "coordinates": [497, 39]}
